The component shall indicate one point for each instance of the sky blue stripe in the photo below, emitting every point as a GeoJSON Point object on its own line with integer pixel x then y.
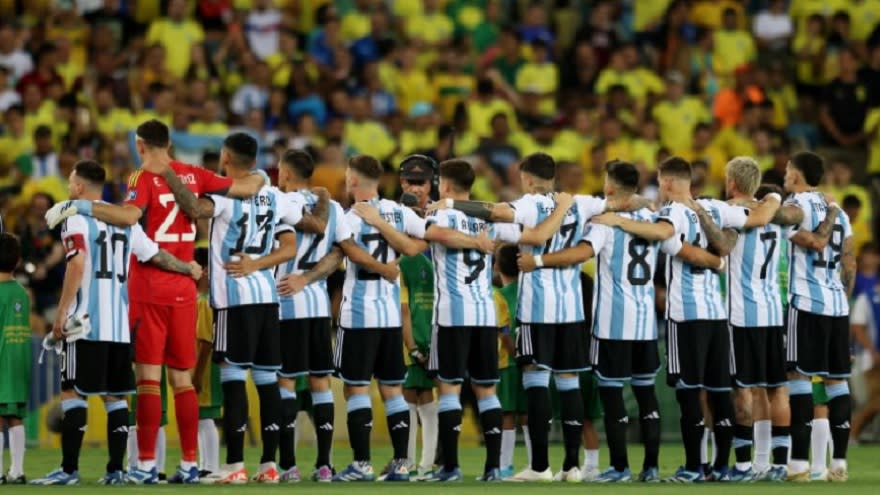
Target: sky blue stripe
{"type": "Point", "coordinates": [94, 294]}
{"type": "Point", "coordinates": [358, 305]}
{"type": "Point", "coordinates": [750, 306]}
{"type": "Point", "coordinates": [689, 304]}
{"type": "Point", "coordinates": [618, 299]}
{"type": "Point", "coordinates": [817, 305]}
{"type": "Point", "coordinates": [456, 301]}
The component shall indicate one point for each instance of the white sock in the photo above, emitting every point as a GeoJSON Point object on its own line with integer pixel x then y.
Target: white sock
{"type": "Point", "coordinates": [819, 444]}
{"type": "Point", "coordinates": [838, 464]}
{"type": "Point", "coordinates": [160, 450]}
{"type": "Point", "coordinates": [430, 429]}
{"type": "Point", "coordinates": [209, 446]}
{"type": "Point", "coordinates": [528, 440]}
{"type": "Point", "coordinates": [714, 447]}
{"type": "Point", "coordinates": [704, 446]}
{"type": "Point", "coordinates": [16, 451]}
{"type": "Point", "coordinates": [591, 459]}
{"type": "Point", "coordinates": [1, 452]}
{"type": "Point", "coordinates": [508, 443]}
{"type": "Point", "coordinates": [132, 448]}
{"type": "Point", "coordinates": [762, 432]}
{"type": "Point", "coordinates": [413, 434]}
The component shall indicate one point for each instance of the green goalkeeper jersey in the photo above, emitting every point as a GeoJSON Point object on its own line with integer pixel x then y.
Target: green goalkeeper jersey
{"type": "Point", "coordinates": [417, 275]}
{"type": "Point", "coordinates": [15, 343]}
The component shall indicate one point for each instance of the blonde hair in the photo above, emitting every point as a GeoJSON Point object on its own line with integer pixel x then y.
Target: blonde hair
{"type": "Point", "coordinates": [745, 174]}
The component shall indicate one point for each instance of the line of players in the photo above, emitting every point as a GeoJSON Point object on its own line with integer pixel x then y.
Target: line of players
{"type": "Point", "coordinates": [556, 232]}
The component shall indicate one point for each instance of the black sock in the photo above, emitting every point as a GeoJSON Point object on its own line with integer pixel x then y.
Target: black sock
{"type": "Point", "coordinates": [801, 425]}
{"type": "Point", "coordinates": [691, 426]}
{"type": "Point", "coordinates": [270, 420]}
{"type": "Point", "coordinates": [287, 439]}
{"type": "Point", "coordinates": [649, 422]}
{"type": "Point", "coordinates": [616, 421]}
{"type": "Point", "coordinates": [117, 438]}
{"type": "Point", "coordinates": [360, 423]}
{"type": "Point", "coordinates": [722, 411]}
{"type": "Point", "coordinates": [538, 399]}
{"type": "Point", "coordinates": [571, 407]}
{"type": "Point", "coordinates": [743, 438]}
{"type": "Point", "coordinates": [781, 444]}
{"type": "Point", "coordinates": [73, 428]}
{"type": "Point", "coordinates": [449, 423]}
{"type": "Point", "coordinates": [839, 415]}
{"type": "Point", "coordinates": [235, 411]}
{"type": "Point", "coordinates": [492, 423]}
{"type": "Point", "coordinates": [323, 418]}
{"type": "Point", "coordinates": [398, 429]}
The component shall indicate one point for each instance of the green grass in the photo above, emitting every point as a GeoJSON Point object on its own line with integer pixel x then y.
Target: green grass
{"type": "Point", "coordinates": [863, 468]}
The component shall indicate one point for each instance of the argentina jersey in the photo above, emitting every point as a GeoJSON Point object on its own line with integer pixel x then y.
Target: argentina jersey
{"type": "Point", "coordinates": [753, 278]}
{"type": "Point", "coordinates": [623, 297]}
{"type": "Point", "coordinates": [247, 227]}
{"type": "Point", "coordinates": [368, 300]}
{"type": "Point", "coordinates": [553, 295]}
{"type": "Point", "coordinates": [103, 294]}
{"type": "Point", "coordinates": [463, 277]}
{"type": "Point", "coordinates": [694, 293]}
{"type": "Point", "coordinates": [313, 301]}
{"type": "Point", "coordinates": [814, 277]}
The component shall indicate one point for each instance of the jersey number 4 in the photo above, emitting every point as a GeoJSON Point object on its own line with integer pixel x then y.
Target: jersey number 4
{"type": "Point", "coordinates": [378, 249]}
{"type": "Point", "coordinates": [162, 234]}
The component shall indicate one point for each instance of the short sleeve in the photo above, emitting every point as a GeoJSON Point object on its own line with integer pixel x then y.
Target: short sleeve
{"type": "Point", "coordinates": [343, 231]}
{"type": "Point", "coordinates": [413, 224]}
{"type": "Point", "coordinates": [732, 217]}
{"type": "Point", "coordinates": [508, 232]}
{"type": "Point", "coordinates": [211, 183]}
{"type": "Point", "coordinates": [141, 246]}
{"type": "Point", "coordinates": [437, 217]}
{"type": "Point", "coordinates": [589, 206]}
{"type": "Point", "coordinates": [73, 236]}
{"type": "Point", "coordinates": [525, 212]}
{"type": "Point", "coordinates": [290, 208]}
{"type": "Point", "coordinates": [805, 223]}
{"type": "Point", "coordinates": [138, 190]}
{"type": "Point", "coordinates": [859, 314]}
{"type": "Point", "coordinates": [597, 235]}
{"type": "Point", "coordinates": [222, 204]}
{"type": "Point", "coordinates": [672, 245]}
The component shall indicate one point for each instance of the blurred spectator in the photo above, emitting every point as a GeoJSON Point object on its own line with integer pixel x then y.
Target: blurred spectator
{"type": "Point", "coordinates": [177, 34]}
{"type": "Point", "coordinates": [254, 94]}
{"type": "Point", "coordinates": [12, 56]}
{"type": "Point", "coordinates": [534, 26]}
{"type": "Point", "coordinates": [43, 161]}
{"type": "Point", "coordinates": [734, 47]}
{"type": "Point", "coordinates": [262, 27]}
{"type": "Point", "coordinates": [41, 252]}
{"type": "Point", "coordinates": [496, 149]}
{"type": "Point", "coordinates": [870, 75]}
{"type": "Point", "coordinates": [8, 97]}
{"type": "Point", "coordinates": [356, 23]}
{"type": "Point", "coordinates": [844, 104]}
{"type": "Point", "coordinates": [678, 114]}
{"type": "Point", "coordinates": [44, 73]}
{"type": "Point", "coordinates": [773, 27]}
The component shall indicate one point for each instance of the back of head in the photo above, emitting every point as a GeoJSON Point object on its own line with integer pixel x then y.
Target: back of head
{"type": "Point", "coordinates": [745, 174]}
{"type": "Point", "coordinates": [366, 166]}
{"type": "Point", "coordinates": [675, 167]}
{"type": "Point", "coordinates": [459, 173]}
{"type": "Point", "coordinates": [90, 172]}
{"type": "Point", "coordinates": [506, 258]}
{"type": "Point", "coordinates": [300, 162]}
{"type": "Point", "coordinates": [242, 148]}
{"type": "Point", "coordinates": [811, 165]}
{"type": "Point", "coordinates": [154, 134]}
{"type": "Point", "coordinates": [766, 189]}
{"type": "Point", "coordinates": [10, 253]}
{"type": "Point", "coordinates": [540, 165]}
{"type": "Point", "coordinates": [624, 175]}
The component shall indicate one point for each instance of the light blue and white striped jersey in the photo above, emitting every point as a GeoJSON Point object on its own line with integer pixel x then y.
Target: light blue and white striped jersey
{"type": "Point", "coordinates": [103, 294]}
{"type": "Point", "coordinates": [313, 301]}
{"type": "Point", "coordinates": [814, 277]}
{"type": "Point", "coordinates": [753, 278]}
{"type": "Point", "coordinates": [368, 300]}
{"type": "Point", "coordinates": [247, 226]}
{"type": "Point", "coordinates": [694, 293]}
{"type": "Point", "coordinates": [623, 296]}
{"type": "Point", "coordinates": [463, 277]}
{"type": "Point", "coordinates": [553, 294]}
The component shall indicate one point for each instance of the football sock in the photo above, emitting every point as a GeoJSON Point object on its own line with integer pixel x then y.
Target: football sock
{"type": "Point", "coordinates": [322, 410]}
{"type": "Point", "coordinates": [742, 445]}
{"type": "Point", "coordinates": [117, 433]}
{"type": "Point", "coordinates": [691, 426]}
{"type": "Point", "coordinates": [210, 445]}
{"type": "Point", "coordinates": [839, 415]}
{"type": "Point", "coordinates": [413, 433]}
{"type": "Point", "coordinates": [491, 419]}
{"type": "Point", "coordinates": [572, 415]}
{"type": "Point", "coordinates": [762, 430]}
{"type": "Point", "coordinates": [132, 449]}
{"type": "Point", "coordinates": [527, 439]}
{"type": "Point", "coordinates": [235, 410]}
{"type": "Point", "coordinates": [537, 385]}
{"type": "Point", "coordinates": [450, 426]}
{"type": "Point", "coordinates": [149, 414]}
{"type": "Point", "coordinates": [161, 449]}
{"type": "Point", "coordinates": [800, 397]}
{"type": "Point", "coordinates": [508, 444]}
{"type": "Point", "coordinates": [73, 428]}
{"type": "Point", "coordinates": [397, 416]}
{"type": "Point", "coordinates": [186, 411]}
{"type": "Point", "coordinates": [360, 423]}
{"type": "Point", "coordinates": [16, 451]}
{"type": "Point", "coordinates": [649, 420]}
{"type": "Point", "coordinates": [430, 429]}
{"type": "Point", "coordinates": [1, 452]}
{"type": "Point", "coordinates": [781, 444]}
{"type": "Point", "coordinates": [287, 447]}
{"type": "Point", "coordinates": [270, 412]}
{"type": "Point", "coordinates": [616, 422]}
{"type": "Point", "coordinates": [819, 437]}
{"type": "Point", "coordinates": [722, 409]}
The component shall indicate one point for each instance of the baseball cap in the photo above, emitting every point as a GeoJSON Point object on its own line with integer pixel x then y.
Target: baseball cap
{"type": "Point", "coordinates": [417, 168]}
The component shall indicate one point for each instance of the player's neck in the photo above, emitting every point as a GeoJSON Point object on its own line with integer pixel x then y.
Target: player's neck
{"type": "Point", "coordinates": [90, 196]}
{"type": "Point", "coordinates": [365, 194]}
{"type": "Point", "coordinates": [5, 277]}
{"type": "Point", "coordinates": [458, 196]}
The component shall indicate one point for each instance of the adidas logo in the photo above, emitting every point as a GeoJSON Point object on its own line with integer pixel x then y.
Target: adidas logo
{"type": "Point", "coordinates": [241, 429]}
{"type": "Point", "coordinates": [624, 420]}
{"type": "Point", "coordinates": [572, 422]}
{"type": "Point", "coordinates": [369, 425]}
{"type": "Point", "coordinates": [121, 429]}
{"type": "Point", "coordinates": [844, 426]}
{"type": "Point", "coordinates": [493, 431]}
{"type": "Point", "coordinates": [291, 425]}
{"type": "Point", "coordinates": [272, 427]}
{"type": "Point", "coordinates": [724, 422]}
{"type": "Point", "coordinates": [83, 428]}
{"type": "Point", "coordinates": [400, 425]}
{"type": "Point", "coordinates": [456, 428]}
{"type": "Point", "coordinates": [326, 427]}
{"type": "Point", "coordinates": [652, 415]}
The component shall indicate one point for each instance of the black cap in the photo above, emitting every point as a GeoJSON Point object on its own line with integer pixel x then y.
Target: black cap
{"type": "Point", "coordinates": [417, 168]}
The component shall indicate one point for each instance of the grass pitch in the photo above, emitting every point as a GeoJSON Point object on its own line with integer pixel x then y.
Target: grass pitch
{"type": "Point", "coordinates": [864, 469]}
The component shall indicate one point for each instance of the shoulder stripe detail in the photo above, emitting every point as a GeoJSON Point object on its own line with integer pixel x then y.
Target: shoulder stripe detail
{"type": "Point", "coordinates": [133, 178]}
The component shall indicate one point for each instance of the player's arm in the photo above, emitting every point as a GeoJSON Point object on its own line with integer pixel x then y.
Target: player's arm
{"type": "Point", "coordinates": [817, 239]}
{"type": "Point", "coordinates": [763, 212]}
{"type": "Point", "coordinates": [120, 215]}
{"type": "Point", "coordinates": [788, 214]}
{"type": "Point", "coordinates": [539, 234]}
{"type": "Point", "coordinates": [73, 277]}
{"type": "Point", "coordinates": [574, 255]}
{"type": "Point", "coordinates": [187, 200]}
{"type": "Point", "coordinates": [848, 265]}
{"type": "Point", "coordinates": [722, 240]}
{"type": "Point", "coordinates": [168, 262]}
{"type": "Point", "coordinates": [454, 239]}
{"type": "Point", "coordinates": [490, 212]}
{"type": "Point", "coordinates": [246, 186]}
{"type": "Point", "coordinates": [651, 231]}
{"type": "Point", "coordinates": [412, 348]}
{"type": "Point", "coordinates": [357, 255]}
{"type": "Point", "coordinates": [245, 265]}
{"type": "Point", "coordinates": [295, 282]}
{"type": "Point", "coordinates": [399, 241]}
{"type": "Point", "coordinates": [700, 257]}
{"type": "Point", "coordinates": [316, 221]}
{"type": "Point", "coordinates": [634, 202]}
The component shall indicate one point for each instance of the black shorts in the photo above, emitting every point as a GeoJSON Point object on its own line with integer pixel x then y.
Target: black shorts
{"type": "Point", "coordinates": [248, 336]}
{"type": "Point", "coordinates": [307, 347]}
{"type": "Point", "coordinates": [364, 353]}
{"type": "Point", "coordinates": [464, 352]}
{"type": "Point", "coordinates": [698, 355]}
{"type": "Point", "coordinates": [560, 347]}
{"type": "Point", "coordinates": [758, 357]}
{"type": "Point", "coordinates": [97, 368]}
{"type": "Point", "coordinates": [624, 359]}
{"type": "Point", "coordinates": [818, 344]}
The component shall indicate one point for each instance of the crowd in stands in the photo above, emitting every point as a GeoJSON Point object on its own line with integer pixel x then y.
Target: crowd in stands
{"type": "Point", "coordinates": [586, 81]}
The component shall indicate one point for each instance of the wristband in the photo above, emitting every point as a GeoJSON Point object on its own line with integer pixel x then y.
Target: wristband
{"type": "Point", "coordinates": [83, 206]}
{"type": "Point", "coordinates": [539, 261]}
{"type": "Point", "coordinates": [774, 195]}
{"type": "Point", "coordinates": [722, 266]}
{"type": "Point", "coordinates": [450, 203]}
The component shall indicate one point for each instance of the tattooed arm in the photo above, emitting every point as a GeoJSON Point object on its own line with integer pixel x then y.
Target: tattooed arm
{"type": "Point", "coordinates": [817, 239]}
{"type": "Point", "coordinates": [188, 202]}
{"type": "Point", "coordinates": [788, 215]}
{"type": "Point", "coordinates": [490, 212]}
{"type": "Point", "coordinates": [723, 240]}
{"type": "Point", "coordinates": [169, 262]}
{"type": "Point", "coordinates": [848, 266]}
{"type": "Point", "coordinates": [296, 282]}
